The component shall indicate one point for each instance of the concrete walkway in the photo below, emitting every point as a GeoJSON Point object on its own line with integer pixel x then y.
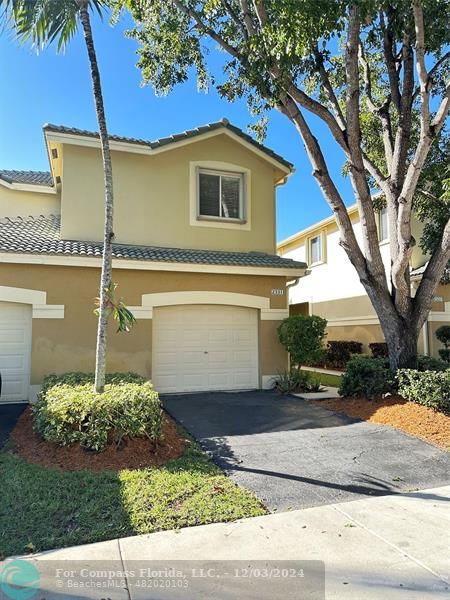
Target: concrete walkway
{"type": "Point", "coordinates": [388, 547]}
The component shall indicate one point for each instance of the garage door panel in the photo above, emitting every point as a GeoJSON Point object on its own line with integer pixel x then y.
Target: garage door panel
{"type": "Point", "coordinates": [15, 351]}
{"type": "Point", "coordinates": [215, 348]}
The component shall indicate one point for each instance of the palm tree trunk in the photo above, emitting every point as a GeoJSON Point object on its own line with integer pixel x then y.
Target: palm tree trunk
{"type": "Point", "coordinates": [106, 274]}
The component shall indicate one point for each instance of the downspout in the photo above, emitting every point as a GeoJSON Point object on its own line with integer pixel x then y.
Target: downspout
{"type": "Point", "coordinates": [425, 333]}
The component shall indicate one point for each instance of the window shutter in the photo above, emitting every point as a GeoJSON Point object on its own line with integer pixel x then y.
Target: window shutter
{"type": "Point", "coordinates": [230, 197]}
{"type": "Point", "coordinates": [209, 194]}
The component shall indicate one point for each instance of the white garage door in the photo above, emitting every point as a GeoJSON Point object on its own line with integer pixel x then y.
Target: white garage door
{"type": "Point", "coordinates": [15, 351]}
{"type": "Point", "coordinates": [205, 347]}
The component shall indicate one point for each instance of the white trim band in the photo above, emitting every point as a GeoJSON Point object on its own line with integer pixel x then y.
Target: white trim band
{"type": "Point", "coordinates": [350, 321]}
{"type": "Point", "coordinates": [439, 317]}
{"type": "Point", "coordinates": [262, 303]}
{"type": "Point", "coordinates": [141, 265]}
{"type": "Point", "coordinates": [274, 314]}
{"type": "Point", "coordinates": [38, 300]}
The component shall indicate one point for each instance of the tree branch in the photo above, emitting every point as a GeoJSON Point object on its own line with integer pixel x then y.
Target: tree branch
{"type": "Point", "coordinates": [261, 12]}
{"type": "Point", "coordinates": [428, 133]}
{"type": "Point", "coordinates": [235, 18]}
{"type": "Point", "coordinates": [356, 159]}
{"type": "Point", "coordinates": [389, 57]}
{"type": "Point", "coordinates": [420, 65]}
{"type": "Point", "coordinates": [193, 14]}
{"type": "Point", "coordinates": [444, 58]}
{"type": "Point", "coordinates": [329, 90]}
{"type": "Point", "coordinates": [382, 112]}
{"type": "Point", "coordinates": [247, 15]}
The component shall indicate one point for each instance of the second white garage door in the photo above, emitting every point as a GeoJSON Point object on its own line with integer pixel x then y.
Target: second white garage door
{"type": "Point", "coordinates": [205, 347]}
{"type": "Point", "coordinates": [15, 351]}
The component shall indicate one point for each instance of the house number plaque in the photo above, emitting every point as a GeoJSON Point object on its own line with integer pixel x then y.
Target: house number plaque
{"type": "Point", "coordinates": [277, 292]}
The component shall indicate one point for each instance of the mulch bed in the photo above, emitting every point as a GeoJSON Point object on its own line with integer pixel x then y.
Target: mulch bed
{"type": "Point", "coordinates": [132, 454]}
{"type": "Point", "coordinates": [421, 421]}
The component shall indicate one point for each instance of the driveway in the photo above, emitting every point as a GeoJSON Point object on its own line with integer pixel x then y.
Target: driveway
{"type": "Point", "coordinates": [9, 413]}
{"type": "Point", "coordinates": [295, 454]}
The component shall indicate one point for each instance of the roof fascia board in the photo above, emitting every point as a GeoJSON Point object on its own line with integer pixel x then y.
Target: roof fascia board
{"type": "Point", "coordinates": [319, 225]}
{"type": "Point", "coordinates": [141, 265]}
{"type": "Point", "coordinates": [28, 187]}
{"type": "Point", "coordinates": [84, 140]}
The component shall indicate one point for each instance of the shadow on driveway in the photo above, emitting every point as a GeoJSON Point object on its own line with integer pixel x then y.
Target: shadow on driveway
{"type": "Point", "coordinates": [295, 454]}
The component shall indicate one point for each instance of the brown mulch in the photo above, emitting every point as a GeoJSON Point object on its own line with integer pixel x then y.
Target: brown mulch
{"type": "Point", "coordinates": [421, 421]}
{"type": "Point", "coordinates": [132, 454]}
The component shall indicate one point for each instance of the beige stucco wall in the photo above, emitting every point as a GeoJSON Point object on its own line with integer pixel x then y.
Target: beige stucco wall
{"type": "Point", "coordinates": [68, 344]}
{"type": "Point", "coordinates": [152, 197]}
{"type": "Point", "coordinates": [365, 334]}
{"type": "Point", "coordinates": [14, 203]}
{"type": "Point", "coordinates": [359, 306]}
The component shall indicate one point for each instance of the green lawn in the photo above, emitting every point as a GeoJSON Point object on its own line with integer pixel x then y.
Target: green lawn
{"type": "Point", "coordinates": [44, 508]}
{"type": "Point", "coordinates": [326, 378]}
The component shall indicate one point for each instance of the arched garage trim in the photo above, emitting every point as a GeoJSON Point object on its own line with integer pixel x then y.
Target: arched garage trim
{"type": "Point", "coordinates": [37, 299]}
{"type": "Point", "coordinates": [262, 303]}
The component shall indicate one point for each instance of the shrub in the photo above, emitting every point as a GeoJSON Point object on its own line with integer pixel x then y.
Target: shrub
{"type": "Point", "coordinates": [366, 376]}
{"type": "Point", "coordinates": [338, 353]}
{"type": "Point", "coordinates": [443, 335]}
{"type": "Point", "coordinates": [67, 414]}
{"type": "Point", "coordinates": [80, 378]}
{"type": "Point", "coordinates": [429, 363]}
{"type": "Point", "coordinates": [302, 336]}
{"type": "Point", "coordinates": [287, 382]}
{"type": "Point", "coordinates": [429, 388]}
{"type": "Point", "coordinates": [379, 349]}
{"type": "Point", "coordinates": [444, 353]}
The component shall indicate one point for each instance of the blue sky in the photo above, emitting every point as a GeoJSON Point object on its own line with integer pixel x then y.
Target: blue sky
{"type": "Point", "coordinates": [56, 88]}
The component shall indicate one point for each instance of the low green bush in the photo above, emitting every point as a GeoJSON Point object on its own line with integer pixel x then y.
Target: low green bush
{"type": "Point", "coordinates": [289, 382]}
{"type": "Point", "coordinates": [339, 352]}
{"type": "Point", "coordinates": [366, 376]}
{"type": "Point", "coordinates": [67, 414]}
{"type": "Point", "coordinates": [79, 378]}
{"type": "Point", "coordinates": [429, 363]}
{"type": "Point", "coordinates": [429, 388]}
{"type": "Point", "coordinates": [379, 349]}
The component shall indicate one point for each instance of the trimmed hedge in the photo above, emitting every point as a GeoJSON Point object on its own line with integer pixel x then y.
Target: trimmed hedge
{"type": "Point", "coordinates": [429, 363]}
{"type": "Point", "coordinates": [379, 349]}
{"type": "Point", "coordinates": [73, 378]}
{"type": "Point", "coordinates": [339, 352]}
{"type": "Point", "coordinates": [366, 376]}
{"type": "Point", "coordinates": [69, 411]}
{"type": "Point", "coordinates": [429, 388]}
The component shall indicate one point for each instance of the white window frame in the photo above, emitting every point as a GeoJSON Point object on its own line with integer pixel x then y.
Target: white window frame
{"type": "Point", "coordinates": [220, 174]}
{"type": "Point", "coordinates": [322, 250]}
{"type": "Point", "coordinates": [244, 224]}
{"type": "Point", "coordinates": [382, 240]}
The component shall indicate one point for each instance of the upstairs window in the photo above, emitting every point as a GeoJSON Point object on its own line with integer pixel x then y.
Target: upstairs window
{"type": "Point", "coordinates": [220, 195]}
{"type": "Point", "coordinates": [383, 227]}
{"type": "Point", "coordinates": [315, 250]}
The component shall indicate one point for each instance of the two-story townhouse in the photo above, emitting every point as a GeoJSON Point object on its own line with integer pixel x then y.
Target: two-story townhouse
{"type": "Point", "coordinates": [333, 291]}
{"type": "Point", "coordinates": [194, 258]}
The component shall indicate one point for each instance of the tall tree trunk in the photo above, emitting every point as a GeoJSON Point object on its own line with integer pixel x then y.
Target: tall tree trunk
{"type": "Point", "coordinates": [108, 235]}
{"type": "Point", "coordinates": [401, 339]}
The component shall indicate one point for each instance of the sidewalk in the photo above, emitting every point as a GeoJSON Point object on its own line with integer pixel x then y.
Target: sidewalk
{"type": "Point", "coordinates": [387, 547]}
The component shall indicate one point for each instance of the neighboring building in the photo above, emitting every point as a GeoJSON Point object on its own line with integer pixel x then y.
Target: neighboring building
{"type": "Point", "coordinates": [194, 258]}
{"type": "Point", "coordinates": [332, 288]}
